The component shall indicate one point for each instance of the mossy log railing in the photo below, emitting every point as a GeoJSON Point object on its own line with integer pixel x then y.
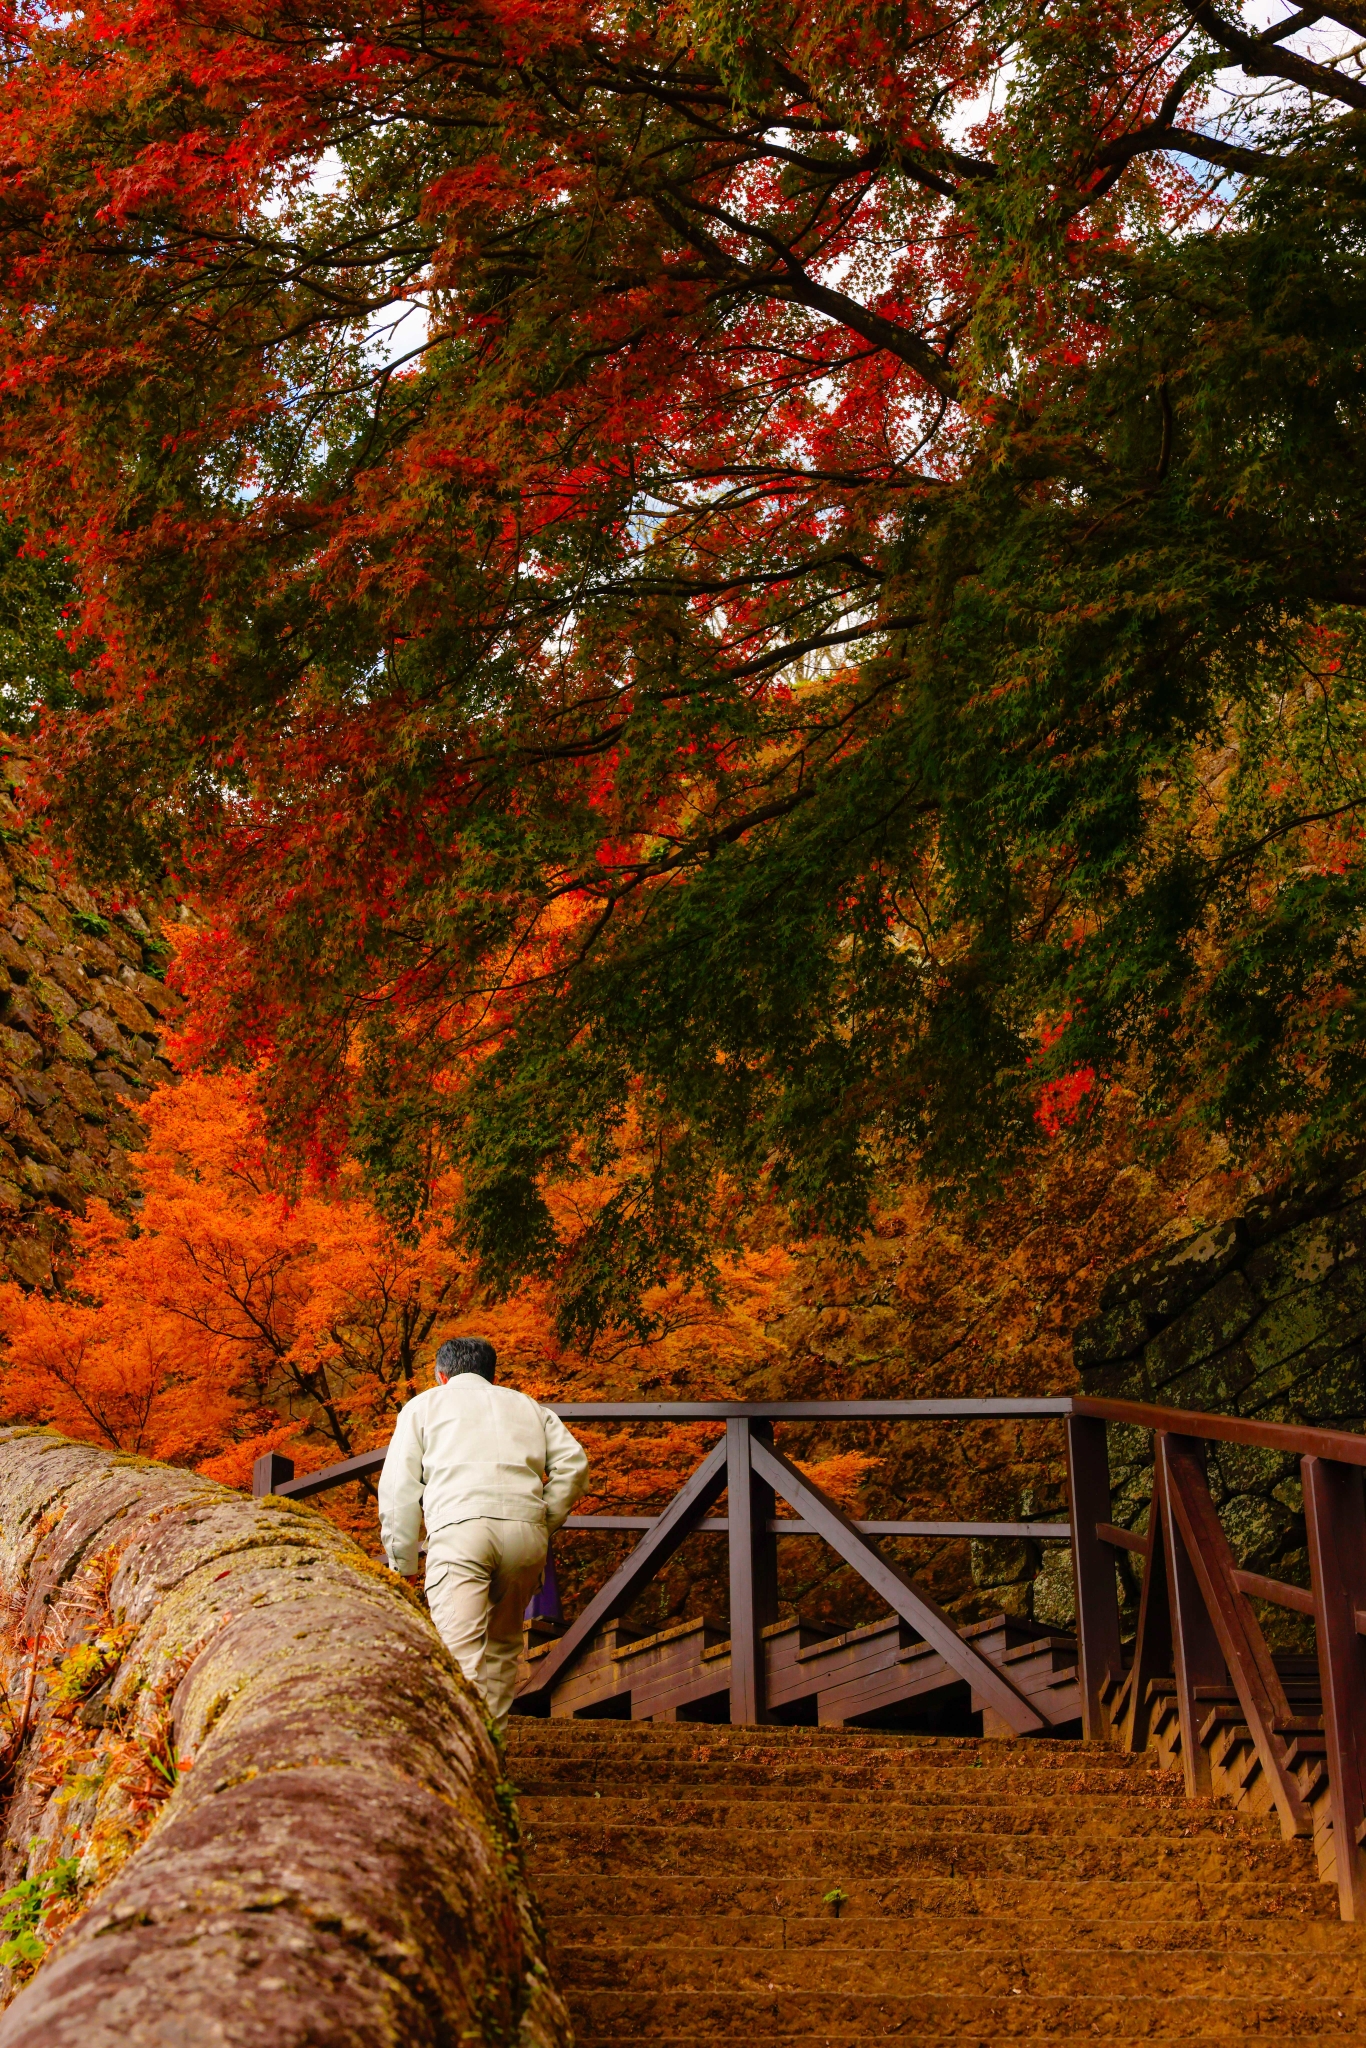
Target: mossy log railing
{"type": "Point", "coordinates": [273, 1801]}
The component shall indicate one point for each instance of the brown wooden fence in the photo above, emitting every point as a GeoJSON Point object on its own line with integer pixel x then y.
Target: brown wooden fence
{"type": "Point", "coordinates": [1198, 1681]}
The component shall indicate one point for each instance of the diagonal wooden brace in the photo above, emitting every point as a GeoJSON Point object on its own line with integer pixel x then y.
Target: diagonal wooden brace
{"type": "Point", "coordinates": [894, 1586]}
{"type": "Point", "coordinates": [1254, 1677]}
{"type": "Point", "coordinates": [1153, 1643]}
{"type": "Point", "coordinates": [685, 1511]}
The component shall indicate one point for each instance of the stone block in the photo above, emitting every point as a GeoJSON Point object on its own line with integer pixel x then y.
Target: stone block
{"type": "Point", "coordinates": [28, 1261]}
{"type": "Point", "coordinates": [71, 1046]}
{"type": "Point", "coordinates": [1172, 1279]}
{"type": "Point", "coordinates": [31, 1138]}
{"type": "Point", "coordinates": [98, 955]}
{"type": "Point", "coordinates": [87, 1175]}
{"type": "Point", "coordinates": [162, 1001]}
{"type": "Point", "coordinates": [1268, 1397]}
{"type": "Point", "coordinates": [66, 970]}
{"type": "Point", "coordinates": [1055, 1600]}
{"type": "Point", "coordinates": [48, 905]}
{"type": "Point", "coordinates": [60, 1125]}
{"type": "Point", "coordinates": [1003, 1561]}
{"type": "Point", "coordinates": [1130, 1447]}
{"type": "Point", "coordinates": [1120, 1333]}
{"type": "Point", "coordinates": [1298, 1258]}
{"type": "Point", "coordinates": [100, 1030]}
{"type": "Point", "coordinates": [1290, 1325]}
{"type": "Point", "coordinates": [30, 930]}
{"type": "Point", "coordinates": [16, 958]}
{"type": "Point", "coordinates": [1345, 1288]}
{"type": "Point", "coordinates": [1013, 1601]}
{"type": "Point", "coordinates": [1277, 1214]}
{"type": "Point", "coordinates": [23, 1015]}
{"type": "Point", "coordinates": [64, 1190]}
{"type": "Point", "coordinates": [124, 946]}
{"type": "Point", "coordinates": [1331, 1393]}
{"type": "Point", "coordinates": [77, 1088]}
{"type": "Point", "coordinates": [1257, 1529]}
{"type": "Point", "coordinates": [1213, 1322]}
{"type": "Point", "coordinates": [1250, 1468]}
{"type": "Point", "coordinates": [1349, 1233]}
{"type": "Point", "coordinates": [121, 1002]}
{"type": "Point", "coordinates": [1215, 1386]}
{"type": "Point", "coordinates": [1121, 1382]}
{"type": "Point", "coordinates": [13, 1198]}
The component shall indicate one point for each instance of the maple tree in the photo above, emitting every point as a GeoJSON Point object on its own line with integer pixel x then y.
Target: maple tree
{"type": "Point", "coordinates": [770, 588]}
{"type": "Point", "coordinates": [234, 1311]}
{"type": "Point", "coordinates": [241, 1309]}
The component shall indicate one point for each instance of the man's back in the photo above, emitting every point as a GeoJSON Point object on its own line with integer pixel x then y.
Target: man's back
{"type": "Point", "coordinates": [467, 1450]}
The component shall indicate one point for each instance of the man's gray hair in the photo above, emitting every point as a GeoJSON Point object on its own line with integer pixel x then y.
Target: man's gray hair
{"type": "Point", "coordinates": [467, 1354]}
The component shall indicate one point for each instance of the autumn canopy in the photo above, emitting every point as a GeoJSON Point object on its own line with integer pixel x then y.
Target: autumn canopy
{"type": "Point", "coordinates": [729, 596]}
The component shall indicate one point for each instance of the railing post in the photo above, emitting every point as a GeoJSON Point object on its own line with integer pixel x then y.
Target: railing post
{"type": "Point", "coordinates": [269, 1472]}
{"type": "Point", "coordinates": [1153, 1637]}
{"type": "Point", "coordinates": [753, 1572]}
{"type": "Point", "coordinates": [1093, 1568]}
{"type": "Point", "coordinates": [1335, 1520]}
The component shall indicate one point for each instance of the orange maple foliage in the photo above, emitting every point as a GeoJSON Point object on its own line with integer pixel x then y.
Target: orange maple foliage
{"type": "Point", "coordinates": [244, 1310]}
{"type": "Point", "coordinates": [236, 1312]}
{"type": "Point", "coordinates": [249, 1308]}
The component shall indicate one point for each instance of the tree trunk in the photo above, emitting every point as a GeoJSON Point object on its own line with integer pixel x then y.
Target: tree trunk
{"type": "Point", "coordinates": [285, 1813]}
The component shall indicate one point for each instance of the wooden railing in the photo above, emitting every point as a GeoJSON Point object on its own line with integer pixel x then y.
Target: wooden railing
{"type": "Point", "coordinates": [1197, 1626]}
{"type": "Point", "coordinates": [1199, 1659]}
{"type": "Point", "coordinates": [746, 1466]}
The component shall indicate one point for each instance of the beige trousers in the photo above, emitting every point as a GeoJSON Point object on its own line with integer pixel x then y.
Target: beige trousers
{"type": "Point", "coordinates": [480, 1576]}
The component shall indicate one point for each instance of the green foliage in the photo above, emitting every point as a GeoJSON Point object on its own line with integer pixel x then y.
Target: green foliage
{"type": "Point", "coordinates": [38, 613]}
{"type": "Point", "coordinates": [22, 1908]}
{"type": "Point", "coordinates": [86, 1666]}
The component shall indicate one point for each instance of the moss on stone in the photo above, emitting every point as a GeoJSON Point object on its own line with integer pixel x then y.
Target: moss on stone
{"type": "Point", "coordinates": [281, 1794]}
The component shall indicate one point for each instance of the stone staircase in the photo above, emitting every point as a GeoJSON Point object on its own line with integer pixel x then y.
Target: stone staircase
{"type": "Point", "coordinates": [1032, 1892]}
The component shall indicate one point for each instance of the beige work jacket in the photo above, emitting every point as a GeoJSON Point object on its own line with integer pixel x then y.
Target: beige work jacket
{"type": "Point", "coordinates": [468, 1449]}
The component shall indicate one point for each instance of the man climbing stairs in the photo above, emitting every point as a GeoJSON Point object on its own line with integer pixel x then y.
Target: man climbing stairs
{"type": "Point", "coordinates": [830, 1886]}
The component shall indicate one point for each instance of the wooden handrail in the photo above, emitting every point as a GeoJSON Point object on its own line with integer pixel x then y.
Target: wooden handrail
{"type": "Point", "coordinates": [789, 1525]}
{"type": "Point", "coordinates": [966, 1409]}
{"type": "Point", "coordinates": [969, 1408]}
{"type": "Point", "coordinates": [1300, 1441]}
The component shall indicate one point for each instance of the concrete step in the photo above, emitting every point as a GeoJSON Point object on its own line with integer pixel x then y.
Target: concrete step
{"type": "Point", "coordinates": [643, 2017]}
{"type": "Point", "coordinates": [1083, 1817]}
{"type": "Point", "coordinates": [794, 1746]}
{"type": "Point", "coordinates": [540, 1777]}
{"type": "Point", "coordinates": [1157, 1900]}
{"type": "Point", "coordinates": [1030, 1893]}
{"type": "Point", "coordinates": [980, 1972]}
{"type": "Point", "coordinates": [1119, 1932]}
{"type": "Point", "coordinates": [838, 1855]}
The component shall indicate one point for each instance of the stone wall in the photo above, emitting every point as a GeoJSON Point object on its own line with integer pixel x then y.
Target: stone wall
{"type": "Point", "coordinates": [82, 1004]}
{"type": "Point", "coordinates": [247, 1790]}
{"type": "Point", "coordinates": [1264, 1316]}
